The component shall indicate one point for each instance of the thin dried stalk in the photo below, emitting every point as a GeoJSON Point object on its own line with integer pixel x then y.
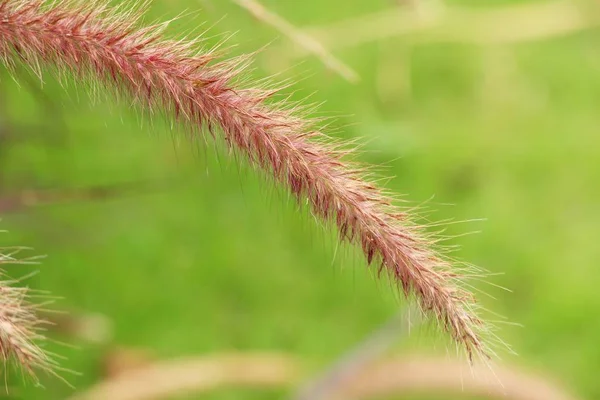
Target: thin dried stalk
{"type": "Point", "coordinates": [191, 375]}
{"type": "Point", "coordinates": [443, 376]}
{"type": "Point", "coordinates": [103, 45]}
{"type": "Point", "coordinates": [302, 39]}
{"type": "Point", "coordinates": [512, 24]}
{"type": "Point", "coordinates": [402, 376]}
{"type": "Point", "coordinates": [356, 360]}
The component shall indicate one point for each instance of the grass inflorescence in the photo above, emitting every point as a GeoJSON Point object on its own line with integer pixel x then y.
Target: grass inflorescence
{"type": "Point", "coordinates": [109, 46]}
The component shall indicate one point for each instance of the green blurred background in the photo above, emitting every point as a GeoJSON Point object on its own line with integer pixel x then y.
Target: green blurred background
{"type": "Point", "coordinates": [204, 255]}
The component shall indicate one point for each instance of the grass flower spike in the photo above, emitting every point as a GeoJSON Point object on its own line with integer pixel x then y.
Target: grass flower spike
{"type": "Point", "coordinates": [19, 324]}
{"type": "Point", "coordinates": [100, 44]}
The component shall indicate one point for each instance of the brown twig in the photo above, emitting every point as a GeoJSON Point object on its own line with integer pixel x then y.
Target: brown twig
{"type": "Point", "coordinates": [15, 202]}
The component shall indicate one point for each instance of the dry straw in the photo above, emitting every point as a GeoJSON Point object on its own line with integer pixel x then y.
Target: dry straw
{"type": "Point", "coordinates": [399, 377]}
{"type": "Point", "coordinates": [103, 45]}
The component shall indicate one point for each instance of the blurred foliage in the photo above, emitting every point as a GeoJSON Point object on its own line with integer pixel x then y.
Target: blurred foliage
{"type": "Point", "coordinates": [218, 259]}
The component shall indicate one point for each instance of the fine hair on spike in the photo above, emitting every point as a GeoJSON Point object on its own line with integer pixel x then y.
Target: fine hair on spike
{"type": "Point", "coordinates": [100, 44]}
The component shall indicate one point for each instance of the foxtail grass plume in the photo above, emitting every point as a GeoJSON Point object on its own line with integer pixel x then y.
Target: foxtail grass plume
{"type": "Point", "coordinates": [20, 326]}
{"type": "Point", "coordinates": [100, 44]}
